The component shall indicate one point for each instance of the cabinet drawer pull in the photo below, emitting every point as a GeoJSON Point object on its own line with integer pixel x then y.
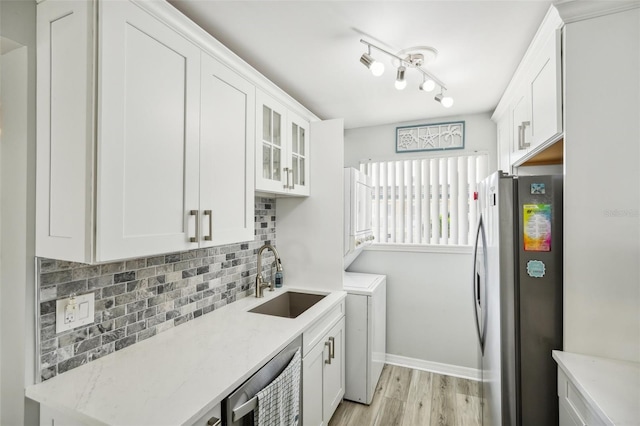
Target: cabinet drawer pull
{"type": "Point", "coordinates": [210, 236]}
{"type": "Point", "coordinates": [328, 360]}
{"type": "Point", "coordinates": [214, 421]}
{"type": "Point", "coordinates": [332, 340]}
{"type": "Point", "coordinates": [286, 172]}
{"type": "Point", "coordinates": [197, 215]}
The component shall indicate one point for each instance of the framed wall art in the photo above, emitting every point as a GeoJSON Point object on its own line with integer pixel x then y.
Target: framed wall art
{"type": "Point", "coordinates": [430, 137]}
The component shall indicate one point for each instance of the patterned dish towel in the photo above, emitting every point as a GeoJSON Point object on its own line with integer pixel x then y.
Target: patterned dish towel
{"type": "Point", "coordinates": [279, 402]}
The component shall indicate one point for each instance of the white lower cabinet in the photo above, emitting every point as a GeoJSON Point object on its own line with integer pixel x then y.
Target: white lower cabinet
{"type": "Point", "coordinates": [211, 418]}
{"type": "Point", "coordinates": [574, 410]}
{"type": "Point", "coordinates": [323, 376]}
{"type": "Point", "coordinates": [52, 417]}
{"type": "Point", "coordinates": [333, 377]}
{"type": "Point", "coordinates": [312, 369]}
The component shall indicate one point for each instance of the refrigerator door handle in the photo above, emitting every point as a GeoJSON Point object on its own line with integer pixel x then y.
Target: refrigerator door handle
{"type": "Point", "coordinates": [476, 283]}
{"type": "Point", "coordinates": [478, 299]}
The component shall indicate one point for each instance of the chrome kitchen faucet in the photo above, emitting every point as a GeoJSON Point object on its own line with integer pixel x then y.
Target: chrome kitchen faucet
{"type": "Point", "coordinates": [260, 284]}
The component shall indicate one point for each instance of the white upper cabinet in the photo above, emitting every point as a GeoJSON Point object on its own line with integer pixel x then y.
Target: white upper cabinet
{"type": "Point", "coordinates": [546, 91]}
{"type": "Point", "coordinates": [504, 144]}
{"type": "Point", "coordinates": [148, 136]}
{"type": "Point", "coordinates": [270, 144]}
{"type": "Point", "coordinates": [298, 159]}
{"type": "Point", "coordinates": [282, 148]}
{"type": "Point", "coordinates": [227, 127]}
{"type": "Point", "coordinates": [160, 159]}
{"type": "Point", "coordinates": [532, 103]}
{"type": "Point", "coordinates": [64, 127]}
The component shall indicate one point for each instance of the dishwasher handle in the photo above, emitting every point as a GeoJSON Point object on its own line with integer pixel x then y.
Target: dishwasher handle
{"type": "Point", "coordinates": [244, 409]}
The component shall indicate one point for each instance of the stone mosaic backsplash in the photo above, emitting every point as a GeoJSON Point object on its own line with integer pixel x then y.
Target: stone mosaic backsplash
{"type": "Point", "coordinates": [139, 298]}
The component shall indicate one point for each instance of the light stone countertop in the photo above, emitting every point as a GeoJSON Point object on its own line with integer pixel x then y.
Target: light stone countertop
{"type": "Point", "coordinates": [611, 387]}
{"type": "Point", "coordinates": [177, 376]}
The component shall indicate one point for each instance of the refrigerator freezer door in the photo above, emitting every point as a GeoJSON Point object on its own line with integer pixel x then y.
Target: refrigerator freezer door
{"type": "Point", "coordinates": [498, 361]}
{"type": "Point", "coordinates": [479, 281]}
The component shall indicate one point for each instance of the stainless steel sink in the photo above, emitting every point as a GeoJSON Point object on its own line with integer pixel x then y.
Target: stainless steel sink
{"type": "Point", "coordinates": [289, 304]}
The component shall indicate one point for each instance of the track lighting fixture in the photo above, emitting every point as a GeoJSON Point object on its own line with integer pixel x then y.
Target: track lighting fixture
{"type": "Point", "coordinates": [401, 82]}
{"type": "Point", "coordinates": [376, 67]}
{"type": "Point", "coordinates": [407, 58]}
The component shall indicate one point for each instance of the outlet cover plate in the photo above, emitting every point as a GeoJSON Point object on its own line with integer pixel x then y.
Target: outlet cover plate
{"type": "Point", "coordinates": [85, 312]}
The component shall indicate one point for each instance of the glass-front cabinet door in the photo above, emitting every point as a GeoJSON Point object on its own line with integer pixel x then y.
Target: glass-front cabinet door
{"type": "Point", "coordinates": [271, 144]}
{"type": "Point", "coordinates": [282, 148]}
{"type": "Point", "coordinates": [298, 166]}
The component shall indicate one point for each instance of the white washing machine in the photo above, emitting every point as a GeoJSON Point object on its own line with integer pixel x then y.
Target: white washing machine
{"type": "Point", "coordinates": [365, 338]}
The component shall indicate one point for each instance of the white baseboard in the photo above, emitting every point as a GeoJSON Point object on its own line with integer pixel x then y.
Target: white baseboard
{"type": "Point", "coordinates": [434, 367]}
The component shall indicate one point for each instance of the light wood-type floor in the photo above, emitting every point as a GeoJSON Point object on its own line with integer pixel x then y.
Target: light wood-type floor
{"type": "Point", "coordinates": [406, 397]}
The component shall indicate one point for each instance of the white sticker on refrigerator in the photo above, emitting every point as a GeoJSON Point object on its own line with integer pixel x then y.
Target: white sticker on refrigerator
{"type": "Point", "coordinates": [536, 268]}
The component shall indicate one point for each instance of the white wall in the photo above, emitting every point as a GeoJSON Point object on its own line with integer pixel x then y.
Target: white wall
{"type": "Point", "coordinates": [17, 317]}
{"type": "Point", "coordinates": [429, 296]}
{"type": "Point", "coordinates": [309, 229]}
{"type": "Point", "coordinates": [378, 142]}
{"type": "Point", "coordinates": [602, 186]}
{"type": "Point", "coordinates": [429, 305]}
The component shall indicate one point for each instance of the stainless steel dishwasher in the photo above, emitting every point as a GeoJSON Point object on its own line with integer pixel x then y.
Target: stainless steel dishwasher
{"type": "Point", "coordinates": [237, 408]}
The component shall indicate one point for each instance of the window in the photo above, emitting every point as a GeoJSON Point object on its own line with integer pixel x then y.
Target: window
{"type": "Point", "coordinates": [425, 201]}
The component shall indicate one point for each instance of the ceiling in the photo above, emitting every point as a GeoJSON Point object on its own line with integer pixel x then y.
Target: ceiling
{"type": "Point", "coordinates": [311, 49]}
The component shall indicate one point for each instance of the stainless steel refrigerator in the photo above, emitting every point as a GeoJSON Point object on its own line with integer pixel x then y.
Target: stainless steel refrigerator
{"type": "Point", "coordinates": [517, 290]}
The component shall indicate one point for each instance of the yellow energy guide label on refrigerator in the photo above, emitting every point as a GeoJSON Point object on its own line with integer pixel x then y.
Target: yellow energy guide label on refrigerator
{"type": "Point", "coordinates": [537, 227]}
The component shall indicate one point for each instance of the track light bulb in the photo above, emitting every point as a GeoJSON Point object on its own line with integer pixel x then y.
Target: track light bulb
{"type": "Point", "coordinates": [376, 67]}
{"type": "Point", "coordinates": [428, 85]}
{"type": "Point", "coordinates": [401, 83]}
{"type": "Point", "coordinates": [446, 101]}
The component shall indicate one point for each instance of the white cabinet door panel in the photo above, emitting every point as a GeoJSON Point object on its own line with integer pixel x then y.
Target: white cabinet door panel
{"type": "Point", "coordinates": [64, 130]}
{"type": "Point", "coordinates": [334, 379]}
{"type": "Point", "coordinates": [298, 157]}
{"type": "Point", "coordinates": [227, 126]}
{"type": "Point", "coordinates": [546, 99]}
{"type": "Point", "coordinates": [271, 144]}
{"type": "Point", "coordinates": [148, 135]}
{"type": "Point", "coordinates": [504, 144]}
{"type": "Point", "coordinates": [312, 369]}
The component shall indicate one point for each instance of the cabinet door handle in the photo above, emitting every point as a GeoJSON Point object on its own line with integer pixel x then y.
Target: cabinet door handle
{"type": "Point", "coordinates": [293, 184]}
{"type": "Point", "coordinates": [214, 421]}
{"type": "Point", "coordinates": [286, 172]}
{"type": "Point", "coordinates": [210, 236]}
{"type": "Point", "coordinates": [328, 360]}
{"type": "Point", "coordinates": [521, 135]}
{"type": "Point", "coordinates": [332, 340]}
{"type": "Point", "coordinates": [195, 213]}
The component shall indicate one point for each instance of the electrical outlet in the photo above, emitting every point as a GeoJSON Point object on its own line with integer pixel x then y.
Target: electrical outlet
{"type": "Point", "coordinates": [74, 312]}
